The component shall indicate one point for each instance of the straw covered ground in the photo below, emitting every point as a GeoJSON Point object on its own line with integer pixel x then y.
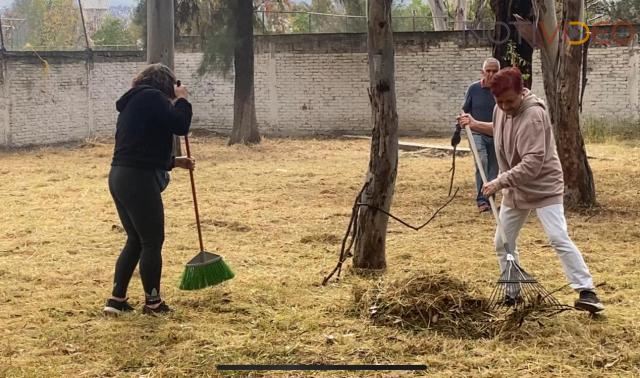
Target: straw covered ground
{"type": "Point", "coordinates": [277, 212]}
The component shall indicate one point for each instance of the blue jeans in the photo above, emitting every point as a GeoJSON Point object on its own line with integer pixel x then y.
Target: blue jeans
{"type": "Point", "coordinates": [487, 153]}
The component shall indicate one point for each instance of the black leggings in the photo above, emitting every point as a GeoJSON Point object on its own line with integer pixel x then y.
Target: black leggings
{"type": "Point", "coordinates": [136, 193]}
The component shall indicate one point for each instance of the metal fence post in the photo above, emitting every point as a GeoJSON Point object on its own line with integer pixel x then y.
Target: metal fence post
{"type": "Point", "coordinates": [413, 12]}
{"type": "Point", "coordinates": [264, 24]}
{"type": "Point", "coordinates": [1, 36]}
{"type": "Point", "coordinates": [366, 12]}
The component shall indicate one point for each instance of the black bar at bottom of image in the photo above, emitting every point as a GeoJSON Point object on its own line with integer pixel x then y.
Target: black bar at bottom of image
{"type": "Point", "coordinates": [320, 367]}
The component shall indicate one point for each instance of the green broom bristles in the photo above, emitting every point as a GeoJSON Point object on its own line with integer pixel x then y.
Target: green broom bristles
{"type": "Point", "coordinates": [199, 277]}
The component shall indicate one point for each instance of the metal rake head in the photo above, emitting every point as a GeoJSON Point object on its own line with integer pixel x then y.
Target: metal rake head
{"type": "Point", "coordinates": [519, 290]}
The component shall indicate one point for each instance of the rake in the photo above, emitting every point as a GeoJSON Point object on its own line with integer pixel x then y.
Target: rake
{"type": "Point", "coordinates": [515, 288]}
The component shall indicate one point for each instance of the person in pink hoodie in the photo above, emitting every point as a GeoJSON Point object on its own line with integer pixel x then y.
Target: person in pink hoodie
{"type": "Point", "coordinates": [531, 178]}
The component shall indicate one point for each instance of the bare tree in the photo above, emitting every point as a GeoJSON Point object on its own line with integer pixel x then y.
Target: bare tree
{"type": "Point", "coordinates": [370, 238]}
{"type": "Point", "coordinates": [460, 14]}
{"type": "Point", "coordinates": [439, 14]}
{"type": "Point", "coordinates": [226, 27]}
{"type": "Point", "coordinates": [245, 124]}
{"type": "Point", "coordinates": [562, 58]}
{"type": "Point", "coordinates": [478, 13]}
{"type": "Point", "coordinates": [508, 47]}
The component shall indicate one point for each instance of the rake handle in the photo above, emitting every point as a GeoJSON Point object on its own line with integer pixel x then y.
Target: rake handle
{"type": "Point", "coordinates": [476, 158]}
{"type": "Point", "coordinates": [193, 191]}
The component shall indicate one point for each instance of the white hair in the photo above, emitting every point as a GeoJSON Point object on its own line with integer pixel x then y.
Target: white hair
{"type": "Point", "coordinates": [491, 60]}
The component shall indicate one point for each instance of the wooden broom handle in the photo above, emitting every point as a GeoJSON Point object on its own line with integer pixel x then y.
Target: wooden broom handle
{"type": "Point", "coordinates": [494, 210]}
{"type": "Point", "coordinates": [193, 191]}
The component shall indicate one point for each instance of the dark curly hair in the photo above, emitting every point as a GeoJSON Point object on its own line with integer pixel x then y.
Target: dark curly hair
{"type": "Point", "coordinates": [158, 76]}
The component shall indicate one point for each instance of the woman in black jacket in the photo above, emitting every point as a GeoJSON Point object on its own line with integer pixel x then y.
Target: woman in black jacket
{"type": "Point", "coordinates": [151, 112]}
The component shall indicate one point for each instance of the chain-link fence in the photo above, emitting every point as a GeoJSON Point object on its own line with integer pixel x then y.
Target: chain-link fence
{"type": "Point", "coordinates": [14, 32]}
{"type": "Point", "coordinates": [66, 25]}
{"type": "Point", "coordinates": [62, 26]}
{"type": "Point", "coordinates": [286, 22]}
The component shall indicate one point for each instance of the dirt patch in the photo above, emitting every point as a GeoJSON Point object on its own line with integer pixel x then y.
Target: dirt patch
{"type": "Point", "coordinates": [321, 238]}
{"type": "Point", "coordinates": [233, 226]}
{"type": "Point", "coordinates": [277, 311]}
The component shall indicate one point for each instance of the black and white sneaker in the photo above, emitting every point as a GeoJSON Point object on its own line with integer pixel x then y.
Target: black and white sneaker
{"type": "Point", "coordinates": [115, 308]}
{"type": "Point", "coordinates": [162, 309]}
{"type": "Point", "coordinates": [589, 301]}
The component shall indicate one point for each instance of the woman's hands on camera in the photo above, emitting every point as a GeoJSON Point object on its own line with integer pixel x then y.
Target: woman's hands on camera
{"type": "Point", "coordinates": [181, 91]}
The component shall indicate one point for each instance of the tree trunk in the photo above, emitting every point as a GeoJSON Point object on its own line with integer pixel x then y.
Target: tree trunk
{"type": "Point", "coordinates": [245, 125]}
{"type": "Point", "coordinates": [370, 239]}
{"type": "Point", "coordinates": [460, 15]}
{"type": "Point", "coordinates": [160, 42]}
{"type": "Point", "coordinates": [478, 13]}
{"type": "Point", "coordinates": [578, 177]}
{"type": "Point", "coordinates": [550, 37]}
{"type": "Point", "coordinates": [439, 15]}
{"type": "Point", "coordinates": [505, 33]}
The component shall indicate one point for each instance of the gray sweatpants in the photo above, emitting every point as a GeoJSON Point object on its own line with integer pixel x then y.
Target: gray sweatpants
{"type": "Point", "coordinates": [555, 226]}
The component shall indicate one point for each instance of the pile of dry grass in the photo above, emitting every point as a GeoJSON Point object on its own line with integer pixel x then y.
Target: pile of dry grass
{"type": "Point", "coordinates": [428, 301]}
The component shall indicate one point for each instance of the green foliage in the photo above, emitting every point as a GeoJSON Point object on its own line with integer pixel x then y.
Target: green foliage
{"type": "Point", "coordinates": [270, 16]}
{"type": "Point", "coordinates": [300, 21]}
{"type": "Point", "coordinates": [408, 7]}
{"type": "Point", "coordinates": [600, 130]}
{"type": "Point", "coordinates": [33, 13]}
{"type": "Point", "coordinates": [219, 38]}
{"type": "Point", "coordinates": [354, 7]}
{"type": "Point", "coordinates": [50, 24]}
{"type": "Point", "coordinates": [140, 20]}
{"type": "Point", "coordinates": [620, 10]}
{"type": "Point", "coordinates": [60, 25]}
{"type": "Point", "coordinates": [515, 60]}
{"type": "Point", "coordinates": [192, 17]}
{"type": "Point", "coordinates": [113, 31]}
{"type": "Point", "coordinates": [215, 21]}
{"type": "Point", "coordinates": [314, 23]}
{"type": "Point", "coordinates": [411, 15]}
{"type": "Point", "coordinates": [318, 23]}
{"type": "Point", "coordinates": [480, 11]}
{"type": "Point", "coordinates": [323, 6]}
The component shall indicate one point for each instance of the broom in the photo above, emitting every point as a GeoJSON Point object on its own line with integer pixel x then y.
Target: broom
{"type": "Point", "coordinates": [515, 287]}
{"type": "Point", "coordinates": [206, 268]}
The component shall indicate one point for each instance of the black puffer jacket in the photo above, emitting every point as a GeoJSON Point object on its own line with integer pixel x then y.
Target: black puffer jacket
{"type": "Point", "coordinates": [145, 128]}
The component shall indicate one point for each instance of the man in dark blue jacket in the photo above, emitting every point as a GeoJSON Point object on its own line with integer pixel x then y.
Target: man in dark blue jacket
{"type": "Point", "coordinates": [479, 103]}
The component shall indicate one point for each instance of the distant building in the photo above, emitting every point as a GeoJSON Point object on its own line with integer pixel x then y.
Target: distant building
{"type": "Point", "coordinates": [95, 11]}
{"type": "Point", "coordinates": [123, 13]}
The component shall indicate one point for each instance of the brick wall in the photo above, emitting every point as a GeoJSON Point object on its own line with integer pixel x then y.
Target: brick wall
{"type": "Point", "coordinates": [305, 85]}
{"type": "Point", "coordinates": [71, 97]}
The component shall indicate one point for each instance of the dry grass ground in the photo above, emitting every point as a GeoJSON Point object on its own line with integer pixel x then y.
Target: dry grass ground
{"type": "Point", "coordinates": [277, 213]}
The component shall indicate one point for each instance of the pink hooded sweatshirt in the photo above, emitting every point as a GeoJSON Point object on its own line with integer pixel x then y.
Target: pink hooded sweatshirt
{"type": "Point", "coordinates": [530, 170]}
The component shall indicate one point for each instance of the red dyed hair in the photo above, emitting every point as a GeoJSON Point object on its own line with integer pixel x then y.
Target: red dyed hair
{"type": "Point", "coordinates": [506, 79]}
